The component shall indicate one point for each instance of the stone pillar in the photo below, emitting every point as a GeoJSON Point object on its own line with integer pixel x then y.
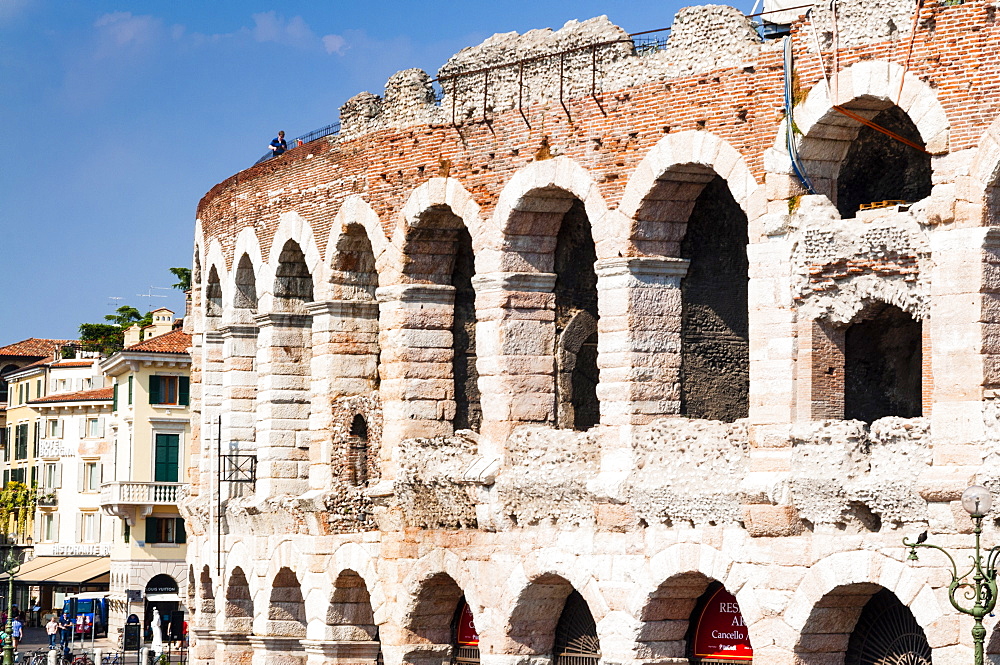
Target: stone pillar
{"type": "Point", "coordinates": [239, 384]}
{"type": "Point", "coordinates": [340, 652]}
{"type": "Point", "coordinates": [203, 649]}
{"type": "Point", "coordinates": [277, 650]}
{"type": "Point", "coordinates": [282, 408]}
{"type": "Point", "coordinates": [345, 354]}
{"type": "Point", "coordinates": [639, 340]}
{"type": "Point", "coordinates": [417, 388]}
{"type": "Point", "coordinates": [417, 654]}
{"type": "Point", "coordinates": [232, 648]}
{"type": "Point", "coordinates": [515, 345]}
{"type": "Point", "coordinates": [212, 372]}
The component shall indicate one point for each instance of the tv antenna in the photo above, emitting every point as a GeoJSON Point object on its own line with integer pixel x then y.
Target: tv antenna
{"type": "Point", "coordinates": [150, 294]}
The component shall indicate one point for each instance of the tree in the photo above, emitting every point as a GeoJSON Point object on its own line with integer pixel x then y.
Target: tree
{"type": "Point", "coordinates": [183, 276]}
{"type": "Point", "coordinates": [17, 506]}
{"type": "Point", "coordinates": [126, 316]}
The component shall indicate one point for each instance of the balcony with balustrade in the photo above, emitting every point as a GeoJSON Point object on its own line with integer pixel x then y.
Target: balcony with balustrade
{"type": "Point", "coordinates": [131, 500]}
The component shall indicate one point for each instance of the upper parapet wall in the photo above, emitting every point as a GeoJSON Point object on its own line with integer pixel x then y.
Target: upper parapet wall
{"type": "Point", "coordinates": [509, 70]}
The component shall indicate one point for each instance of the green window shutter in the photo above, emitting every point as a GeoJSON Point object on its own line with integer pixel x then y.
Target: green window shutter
{"type": "Point", "coordinates": [130, 377]}
{"type": "Point", "coordinates": [167, 458]}
{"type": "Point", "coordinates": [181, 533]}
{"type": "Point", "coordinates": [184, 391]}
{"type": "Point", "coordinates": [34, 477]}
{"type": "Point", "coordinates": [151, 524]}
{"type": "Point", "coordinates": [114, 397]}
{"type": "Point", "coordinates": [154, 389]}
{"type": "Point", "coordinates": [6, 477]}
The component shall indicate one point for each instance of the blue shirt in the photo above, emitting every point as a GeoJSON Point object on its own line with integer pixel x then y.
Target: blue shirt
{"type": "Point", "coordinates": [279, 146]}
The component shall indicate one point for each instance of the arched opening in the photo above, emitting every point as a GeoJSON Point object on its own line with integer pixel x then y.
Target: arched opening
{"type": "Point", "coordinates": [882, 365]}
{"type": "Point", "coordinates": [576, 640]}
{"type": "Point", "coordinates": [433, 615]}
{"type": "Point", "coordinates": [465, 637]}
{"type": "Point", "coordinates": [438, 250]}
{"type": "Point", "coordinates": [690, 213]}
{"type": "Point", "coordinates": [357, 452]}
{"type": "Point", "coordinates": [286, 612]}
{"type": "Point", "coordinates": [878, 167]}
{"type": "Point", "coordinates": [354, 279]}
{"type": "Point", "coordinates": [161, 595]}
{"type": "Point", "coordinates": [213, 300]}
{"type": "Point", "coordinates": [206, 594]}
{"type": "Point", "coordinates": [349, 616]}
{"type": "Point", "coordinates": [671, 615]}
{"type": "Point", "coordinates": [717, 633]}
{"type": "Point", "coordinates": [293, 286]}
{"type": "Point", "coordinates": [238, 612]}
{"type": "Point", "coordinates": [245, 296]}
{"type": "Point", "coordinates": [862, 624]}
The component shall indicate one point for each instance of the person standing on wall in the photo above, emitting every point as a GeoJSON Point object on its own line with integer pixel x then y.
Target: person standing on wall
{"type": "Point", "coordinates": [278, 145]}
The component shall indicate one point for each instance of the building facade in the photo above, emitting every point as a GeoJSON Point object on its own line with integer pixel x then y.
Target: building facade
{"type": "Point", "coordinates": [151, 433]}
{"type": "Point", "coordinates": [535, 372]}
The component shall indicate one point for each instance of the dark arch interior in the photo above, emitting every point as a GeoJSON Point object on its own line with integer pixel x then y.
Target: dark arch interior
{"type": "Point", "coordinates": [287, 607]}
{"type": "Point", "coordinates": [886, 632]}
{"type": "Point", "coordinates": [350, 609]}
{"type": "Point", "coordinates": [293, 286]}
{"type": "Point", "coordinates": [354, 278]}
{"type": "Point", "coordinates": [882, 365]}
{"type": "Point", "coordinates": [576, 640]}
{"type": "Point", "coordinates": [239, 603]}
{"type": "Point", "coordinates": [357, 452]}
{"type": "Point", "coordinates": [213, 295]}
{"type": "Point", "coordinates": [877, 167]}
{"type": "Point", "coordinates": [715, 348]}
{"type": "Point", "coordinates": [433, 617]}
{"type": "Point", "coordinates": [464, 654]}
{"type": "Point", "coordinates": [576, 291]}
{"type": "Point", "coordinates": [246, 285]}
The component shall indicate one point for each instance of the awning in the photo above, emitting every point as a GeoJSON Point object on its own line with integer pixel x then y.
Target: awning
{"type": "Point", "coordinates": [66, 570]}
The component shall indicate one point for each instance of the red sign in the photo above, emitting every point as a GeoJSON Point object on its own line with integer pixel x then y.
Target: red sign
{"type": "Point", "coordinates": [721, 632]}
{"type": "Point", "coordinates": [467, 635]}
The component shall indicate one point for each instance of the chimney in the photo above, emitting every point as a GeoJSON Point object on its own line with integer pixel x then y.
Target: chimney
{"type": "Point", "coordinates": [132, 335]}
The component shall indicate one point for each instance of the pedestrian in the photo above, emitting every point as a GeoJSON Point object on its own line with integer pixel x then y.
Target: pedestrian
{"type": "Point", "coordinates": [278, 145]}
{"type": "Point", "coordinates": [16, 630]}
{"type": "Point", "coordinates": [52, 630]}
{"type": "Point", "coordinates": [65, 630]}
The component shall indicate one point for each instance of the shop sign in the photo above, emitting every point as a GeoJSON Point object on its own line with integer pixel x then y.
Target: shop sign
{"type": "Point", "coordinates": [467, 635]}
{"type": "Point", "coordinates": [721, 632]}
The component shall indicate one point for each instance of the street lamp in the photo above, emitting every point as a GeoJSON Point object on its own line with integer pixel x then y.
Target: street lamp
{"type": "Point", "coordinates": [982, 590]}
{"type": "Point", "coordinates": [11, 565]}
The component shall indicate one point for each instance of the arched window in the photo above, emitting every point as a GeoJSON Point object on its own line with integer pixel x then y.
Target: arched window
{"type": "Point", "coordinates": [886, 632]}
{"type": "Point", "coordinates": [357, 452]}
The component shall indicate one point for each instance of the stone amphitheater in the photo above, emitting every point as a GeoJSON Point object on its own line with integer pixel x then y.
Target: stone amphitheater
{"type": "Point", "coordinates": [592, 347]}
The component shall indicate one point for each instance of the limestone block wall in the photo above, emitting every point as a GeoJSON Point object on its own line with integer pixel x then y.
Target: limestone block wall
{"type": "Point", "coordinates": [325, 290]}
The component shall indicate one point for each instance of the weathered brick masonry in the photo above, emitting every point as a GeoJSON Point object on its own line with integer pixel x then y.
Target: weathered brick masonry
{"type": "Point", "coordinates": [618, 406]}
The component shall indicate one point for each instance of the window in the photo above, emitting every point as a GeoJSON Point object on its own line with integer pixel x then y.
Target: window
{"type": "Point", "coordinates": [114, 396]}
{"type": "Point", "coordinates": [89, 528]}
{"type": "Point", "coordinates": [92, 428]}
{"type": "Point", "coordinates": [17, 475]}
{"type": "Point", "coordinates": [50, 527]}
{"type": "Point", "coordinates": [169, 390]}
{"type": "Point", "coordinates": [37, 430]}
{"type": "Point", "coordinates": [21, 442]}
{"type": "Point", "coordinates": [38, 388]}
{"type": "Point", "coordinates": [90, 477]}
{"type": "Point", "coordinates": [55, 429]}
{"type": "Point", "coordinates": [52, 476]}
{"type": "Point", "coordinates": [165, 530]}
{"type": "Point", "coordinates": [167, 458]}
{"type": "Point", "coordinates": [130, 377]}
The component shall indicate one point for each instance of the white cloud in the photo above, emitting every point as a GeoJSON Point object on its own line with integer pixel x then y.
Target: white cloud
{"type": "Point", "coordinates": [295, 32]}
{"type": "Point", "coordinates": [334, 44]}
{"type": "Point", "coordinates": [127, 29]}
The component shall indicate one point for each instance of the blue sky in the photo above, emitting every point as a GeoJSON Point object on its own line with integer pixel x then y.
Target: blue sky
{"type": "Point", "coordinates": [120, 116]}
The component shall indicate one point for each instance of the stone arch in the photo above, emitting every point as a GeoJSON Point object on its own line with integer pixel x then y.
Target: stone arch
{"type": "Point", "coordinates": [867, 89]}
{"type": "Point", "coordinates": [213, 299]}
{"type": "Point", "coordinates": [537, 609]}
{"type": "Point", "coordinates": [355, 210]}
{"type": "Point", "coordinates": [850, 579]}
{"type": "Point", "coordinates": [439, 223]}
{"type": "Point", "coordinates": [534, 195]}
{"type": "Point", "coordinates": [206, 594]}
{"type": "Point", "coordinates": [433, 609]}
{"type": "Point", "coordinates": [355, 558]}
{"type": "Point", "coordinates": [292, 227]}
{"type": "Point", "coordinates": [293, 285]}
{"type": "Point", "coordinates": [670, 586]}
{"type": "Point", "coordinates": [349, 614]}
{"type": "Point", "coordinates": [245, 284]}
{"type": "Point", "coordinates": [663, 189]}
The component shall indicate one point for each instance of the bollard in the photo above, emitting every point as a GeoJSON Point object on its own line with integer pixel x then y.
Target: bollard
{"type": "Point", "coordinates": [98, 656]}
{"type": "Point", "coordinates": [53, 654]}
{"type": "Point", "coordinates": [144, 655]}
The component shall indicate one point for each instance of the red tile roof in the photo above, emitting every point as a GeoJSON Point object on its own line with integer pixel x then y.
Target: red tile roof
{"type": "Point", "coordinates": [33, 347]}
{"type": "Point", "coordinates": [99, 395]}
{"type": "Point", "coordinates": [73, 363]}
{"type": "Point", "coordinates": [175, 341]}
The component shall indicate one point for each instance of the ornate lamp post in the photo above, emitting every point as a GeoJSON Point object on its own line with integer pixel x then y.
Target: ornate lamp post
{"type": "Point", "coordinates": [11, 565]}
{"type": "Point", "coordinates": [981, 591]}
